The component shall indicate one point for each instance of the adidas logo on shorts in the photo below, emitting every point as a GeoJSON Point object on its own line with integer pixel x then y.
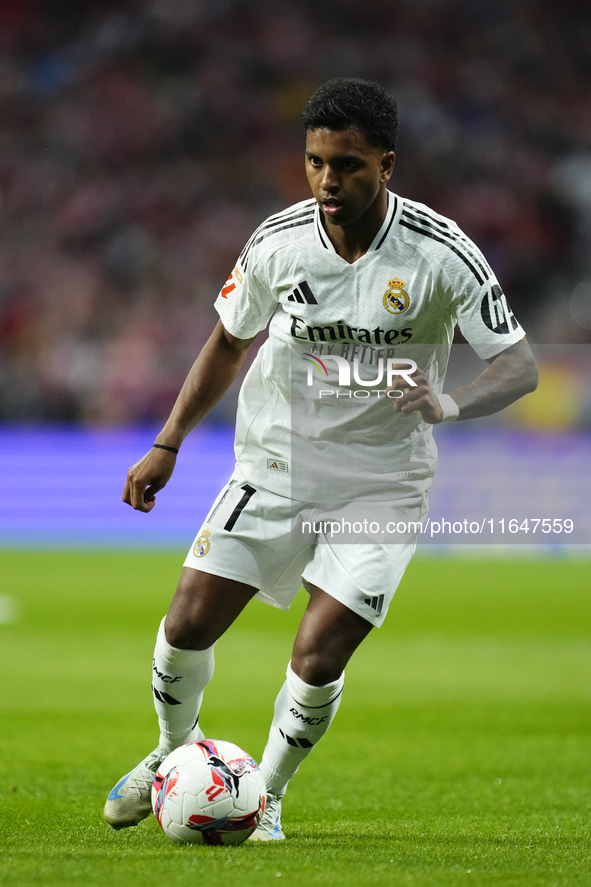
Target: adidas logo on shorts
{"type": "Point", "coordinates": [376, 603]}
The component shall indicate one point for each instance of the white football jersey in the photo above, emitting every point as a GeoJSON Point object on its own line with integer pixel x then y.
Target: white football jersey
{"type": "Point", "coordinates": [314, 417]}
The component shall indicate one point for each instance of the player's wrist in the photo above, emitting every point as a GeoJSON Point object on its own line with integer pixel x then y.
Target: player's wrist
{"type": "Point", "coordinates": [449, 407]}
{"type": "Point", "coordinates": [169, 449]}
{"type": "Point", "coordinates": [171, 437]}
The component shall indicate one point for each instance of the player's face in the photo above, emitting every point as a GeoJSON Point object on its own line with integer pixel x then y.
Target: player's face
{"type": "Point", "coordinates": [346, 173]}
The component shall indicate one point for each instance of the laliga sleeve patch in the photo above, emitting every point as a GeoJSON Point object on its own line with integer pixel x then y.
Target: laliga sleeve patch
{"type": "Point", "coordinates": [495, 312]}
{"type": "Point", "coordinates": [230, 284]}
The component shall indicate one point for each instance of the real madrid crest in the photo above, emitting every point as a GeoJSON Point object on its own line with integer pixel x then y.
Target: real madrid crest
{"type": "Point", "coordinates": [396, 300]}
{"type": "Point", "coordinates": [202, 544]}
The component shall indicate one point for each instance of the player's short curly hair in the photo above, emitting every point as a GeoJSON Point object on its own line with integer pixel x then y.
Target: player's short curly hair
{"type": "Point", "coordinates": [344, 103]}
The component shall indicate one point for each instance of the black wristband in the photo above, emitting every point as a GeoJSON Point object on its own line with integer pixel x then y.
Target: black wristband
{"type": "Point", "coordinates": [164, 447]}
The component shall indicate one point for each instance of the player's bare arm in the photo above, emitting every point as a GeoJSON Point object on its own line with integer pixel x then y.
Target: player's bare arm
{"type": "Point", "coordinates": [509, 376]}
{"type": "Point", "coordinates": [208, 380]}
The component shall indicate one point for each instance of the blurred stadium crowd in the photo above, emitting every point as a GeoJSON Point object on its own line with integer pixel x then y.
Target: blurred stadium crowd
{"type": "Point", "coordinates": [142, 142]}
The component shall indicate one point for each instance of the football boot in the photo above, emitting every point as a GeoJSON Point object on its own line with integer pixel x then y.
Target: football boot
{"type": "Point", "coordinates": [269, 828]}
{"type": "Point", "coordinates": [130, 800]}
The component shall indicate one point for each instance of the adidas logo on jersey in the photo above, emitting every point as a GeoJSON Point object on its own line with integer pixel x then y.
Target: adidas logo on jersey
{"type": "Point", "coordinates": [277, 465]}
{"type": "Point", "coordinates": [302, 294]}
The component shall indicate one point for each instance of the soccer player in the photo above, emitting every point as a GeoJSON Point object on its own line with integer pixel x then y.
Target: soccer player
{"type": "Point", "coordinates": [357, 274]}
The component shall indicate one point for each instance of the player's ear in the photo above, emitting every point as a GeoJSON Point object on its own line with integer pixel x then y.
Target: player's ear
{"type": "Point", "coordinates": [387, 166]}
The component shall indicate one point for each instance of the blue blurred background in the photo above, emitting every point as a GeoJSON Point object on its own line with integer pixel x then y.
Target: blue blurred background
{"type": "Point", "coordinates": [142, 142]}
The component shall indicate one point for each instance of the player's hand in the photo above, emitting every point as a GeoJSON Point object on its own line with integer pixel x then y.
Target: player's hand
{"type": "Point", "coordinates": [146, 478]}
{"type": "Point", "coordinates": [419, 399]}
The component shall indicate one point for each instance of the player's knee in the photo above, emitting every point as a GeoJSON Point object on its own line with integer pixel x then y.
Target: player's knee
{"type": "Point", "coordinates": [316, 667]}
{"type": "Point", "coordinates": [184, 634]}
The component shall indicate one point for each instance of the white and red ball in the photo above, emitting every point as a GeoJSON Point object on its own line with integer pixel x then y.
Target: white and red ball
{"type": "Point", "coordinates": [208, 792]}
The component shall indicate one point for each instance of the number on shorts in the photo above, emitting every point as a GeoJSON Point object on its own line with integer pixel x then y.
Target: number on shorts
{"type": "Point", "coordinates": [216, 507]}
{"type": "Point", "coordinates": [248, 492]}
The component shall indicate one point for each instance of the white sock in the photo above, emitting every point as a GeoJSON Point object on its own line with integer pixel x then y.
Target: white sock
{"type": "Point", "coordinates": [303, 714]}
{"type": "Point", "coordinates": [179, 678]}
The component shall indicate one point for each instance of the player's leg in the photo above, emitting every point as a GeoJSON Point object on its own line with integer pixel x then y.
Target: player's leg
{"type": "Point", "coordinates": [203, 607]}
{"type": "Point", "coordinates": [239, 542]}
{"type": "Point", "coordinates": [358, 583]}
{"type": "Point", "coordinates": [327, 637]}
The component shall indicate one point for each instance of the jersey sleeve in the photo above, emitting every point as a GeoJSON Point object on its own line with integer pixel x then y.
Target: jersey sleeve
{"type": "Point", "coordinates": [245, 303]}
{"type": "Point", "coordinates": [480, 305]}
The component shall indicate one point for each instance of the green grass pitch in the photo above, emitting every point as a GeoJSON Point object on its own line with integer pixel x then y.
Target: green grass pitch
{"type": "Point", "coordinates": [460, 754]}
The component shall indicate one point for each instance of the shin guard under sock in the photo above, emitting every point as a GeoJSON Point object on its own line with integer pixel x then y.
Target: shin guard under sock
{"type": "Point", "coordinates": [179, 678]}
{"type": "Point", "coordinates": [303, 714]}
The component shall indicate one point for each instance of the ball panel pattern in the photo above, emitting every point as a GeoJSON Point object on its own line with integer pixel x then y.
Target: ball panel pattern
{"type": "Point", "coordinates": [208, 792]}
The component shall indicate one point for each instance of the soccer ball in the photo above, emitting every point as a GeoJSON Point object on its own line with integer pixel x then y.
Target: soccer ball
{"type": "Point", "coordinates": [208, 792]}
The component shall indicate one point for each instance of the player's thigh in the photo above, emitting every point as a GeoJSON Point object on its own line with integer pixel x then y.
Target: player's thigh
{"type": "Point", "coordinates": [203, 607]}
{"type": "Point", "coordinates": [247, 538]}
{"type": "Point", "coordinates": [363, 577]}
{"type": "Point", "coordinates": [328, 635]}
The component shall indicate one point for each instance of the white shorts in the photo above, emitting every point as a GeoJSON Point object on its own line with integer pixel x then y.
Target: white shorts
{"type": "Point", "coordinates": [248, 536]}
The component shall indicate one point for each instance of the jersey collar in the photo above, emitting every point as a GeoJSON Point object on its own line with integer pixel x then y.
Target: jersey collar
{"type": "Point", "coordinates": [392, 213]}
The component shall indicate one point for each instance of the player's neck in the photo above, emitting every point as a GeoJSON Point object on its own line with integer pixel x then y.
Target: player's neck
{"type": "Point", "coordinates": [353, 241]}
